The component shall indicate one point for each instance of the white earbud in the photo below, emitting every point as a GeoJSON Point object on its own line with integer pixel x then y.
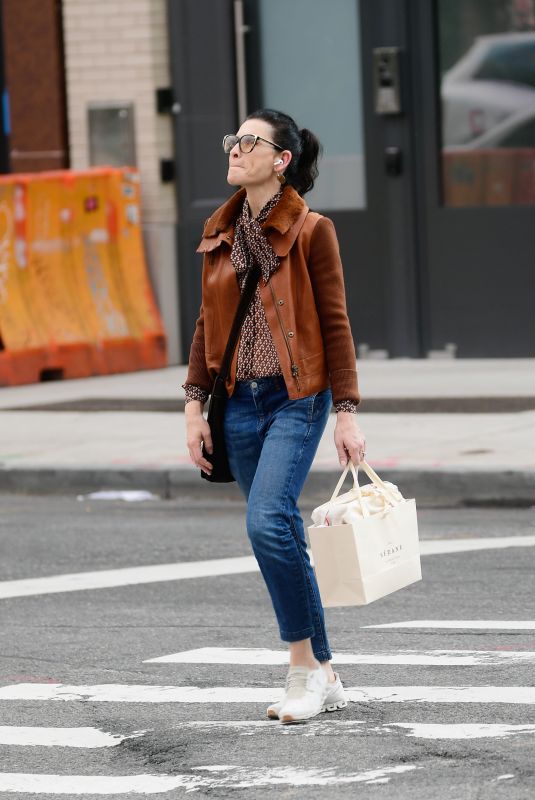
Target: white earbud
{"type": "Point", "coordinates": [280, 161]}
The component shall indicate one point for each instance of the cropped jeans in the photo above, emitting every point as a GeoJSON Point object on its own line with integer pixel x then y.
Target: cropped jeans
{"type": "Point", "coordinates": [271, 443]}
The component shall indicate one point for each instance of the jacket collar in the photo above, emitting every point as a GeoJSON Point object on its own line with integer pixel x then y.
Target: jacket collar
{"type": "Point", "coordinates": [286, 213]}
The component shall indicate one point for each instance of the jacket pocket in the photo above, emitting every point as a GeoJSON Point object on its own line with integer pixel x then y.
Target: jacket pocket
{"type": "Point", "coordinates": [311, 365]}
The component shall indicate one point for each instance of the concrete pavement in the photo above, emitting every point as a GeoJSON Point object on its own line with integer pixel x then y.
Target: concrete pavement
{"type": "Point", "coordinates": [446, 431]}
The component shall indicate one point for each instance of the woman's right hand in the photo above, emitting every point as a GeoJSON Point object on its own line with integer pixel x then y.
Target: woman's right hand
{"type": "Point", "coordinates": [197, 434]}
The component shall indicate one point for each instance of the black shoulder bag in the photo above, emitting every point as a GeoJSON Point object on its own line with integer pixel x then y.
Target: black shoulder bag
{"type": "Point", "coordinates": [218, 400]}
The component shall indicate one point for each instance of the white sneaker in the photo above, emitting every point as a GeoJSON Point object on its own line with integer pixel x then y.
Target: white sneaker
{"type": "Point", "coordinates": [306, 690]}
{"type": "Point", "coordinates": [335, 699]}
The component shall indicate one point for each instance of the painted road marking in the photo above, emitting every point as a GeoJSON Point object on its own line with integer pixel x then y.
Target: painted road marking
{"type": "Point", "coordinates": [61, 737]}
{"type": "Point", "coordinates": [155, 573]}
{"type": "Point", "coordinates": [431, 547]}
{"type": "Point", "coordinates": [253, 655]}
{"type": "Point", "coordinates": [143, 693]}
{"type": "Point", "coordinates": [461, 624]}
{"type": "Point", "coordinates": [327, 727]}
{"type": "Point", "coordinates": [462, 731]}
{"type": "Point", "coordinates": [92, 738]}
{"type": "Point", "coordinates": [217, 776]}
{"type": "Point", "coordinates": [127, 576]}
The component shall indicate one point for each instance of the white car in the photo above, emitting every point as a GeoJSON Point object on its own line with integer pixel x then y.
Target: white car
{"type": "Point", "coordinates": [493, 80]}
{"type": "Point", "coordinates": [517, 130]}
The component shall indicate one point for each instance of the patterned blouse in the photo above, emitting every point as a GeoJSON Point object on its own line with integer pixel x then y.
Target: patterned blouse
{"type": "Point", "coordinates": [257, 356]}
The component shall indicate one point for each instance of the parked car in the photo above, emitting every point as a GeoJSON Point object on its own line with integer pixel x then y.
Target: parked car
{"type": "Point", "coordinates": [517, 130]}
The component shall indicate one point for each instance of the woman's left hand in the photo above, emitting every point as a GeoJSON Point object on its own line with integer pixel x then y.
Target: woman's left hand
{"type": "Point", "coordinates": [349, 439]}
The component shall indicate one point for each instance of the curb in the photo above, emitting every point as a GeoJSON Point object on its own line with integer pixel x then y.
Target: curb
{"type": "Point", "coordinates": [446, 488]}
{"type": "Point", "coordinates": [479, 404]}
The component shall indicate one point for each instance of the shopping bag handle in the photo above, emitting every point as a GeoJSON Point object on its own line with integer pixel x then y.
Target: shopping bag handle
{"type": "Point", "coordinates": [356, 488]}
{"type": "Point", "coordinates": [374, 477]}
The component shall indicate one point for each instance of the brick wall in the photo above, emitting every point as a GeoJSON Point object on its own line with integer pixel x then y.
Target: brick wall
{"type": "Point", "coordinates": [117, 51]}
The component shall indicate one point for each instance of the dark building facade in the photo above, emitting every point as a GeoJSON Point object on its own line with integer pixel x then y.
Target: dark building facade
{"type": "Point", "coordinates": [426, 110]}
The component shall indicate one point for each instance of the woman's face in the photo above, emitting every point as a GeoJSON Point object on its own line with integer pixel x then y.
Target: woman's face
{"type": "Point", "coordinates": [257, 167]}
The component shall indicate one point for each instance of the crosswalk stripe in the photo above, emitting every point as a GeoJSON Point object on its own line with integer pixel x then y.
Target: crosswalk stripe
{"type": "Point", "coordinates": [93, 738]}
{"type": "Point", "coordinates": [242, 655]}
{"type": "Point", "coordinates": [234, 776]}
{"type": "Point", "coordinates": [143, 693]}
{"type": "Point", "coordinates": [461, 624]}
{"type": "Point", "coordinates": [72, 785]}
{"type": "Point", "coordinates": [155, 573]}
{"type": "Point", "coordinates": [60, 737]}
{"type": "Point", "coordinates": [322, 726]}
{"type": "Point", "coordinates": [422, 730]}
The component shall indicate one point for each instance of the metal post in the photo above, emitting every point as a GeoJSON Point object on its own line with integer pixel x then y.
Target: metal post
{"type": "Point", "coordinates": [241, 69]}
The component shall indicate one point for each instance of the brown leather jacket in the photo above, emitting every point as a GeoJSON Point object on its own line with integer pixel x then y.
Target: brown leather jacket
{"type": "Point", "coordinates": [304, 301]}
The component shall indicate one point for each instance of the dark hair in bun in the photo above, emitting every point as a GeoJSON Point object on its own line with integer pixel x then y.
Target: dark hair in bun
{"type": "Point", "coordinates": [304, 146]}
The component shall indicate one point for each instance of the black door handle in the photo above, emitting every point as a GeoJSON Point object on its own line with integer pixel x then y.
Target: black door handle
{"type": "Point", "coordinates": [393, 161]}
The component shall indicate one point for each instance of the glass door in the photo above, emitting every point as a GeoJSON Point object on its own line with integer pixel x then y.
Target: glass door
{"type": "Point", "coordinates": [476, 122]}
{"type": "Point", "coordinates": [487, 82]}
{"type": "Point", "coordinates": [313, 61]}
{"type": "Point", "coordinates": [308, 63]}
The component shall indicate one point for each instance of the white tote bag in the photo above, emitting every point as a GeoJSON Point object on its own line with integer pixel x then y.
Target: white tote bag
{"type": "Point", "coordinates": [364, 542]}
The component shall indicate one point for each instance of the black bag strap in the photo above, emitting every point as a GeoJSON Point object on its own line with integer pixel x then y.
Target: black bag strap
{"type": "Point", "coordinates": [249, 289]}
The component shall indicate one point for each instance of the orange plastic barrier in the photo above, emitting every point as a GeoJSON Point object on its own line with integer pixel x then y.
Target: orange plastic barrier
{"type": "Point", "coordinates": [497, 177]}
{"type": "Point", "coordinates": [75, 295]}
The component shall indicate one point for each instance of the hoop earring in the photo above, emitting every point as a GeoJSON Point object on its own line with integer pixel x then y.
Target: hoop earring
{"type": "Point", "coordinates": [281, 179]}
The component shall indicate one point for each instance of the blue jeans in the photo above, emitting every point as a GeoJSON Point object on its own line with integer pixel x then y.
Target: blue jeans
{"type": "Point", "coordinates": [271, 443]}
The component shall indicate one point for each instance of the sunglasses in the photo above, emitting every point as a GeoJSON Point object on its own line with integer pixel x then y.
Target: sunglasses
{"type": "Point", "coordinates": [246, 142]}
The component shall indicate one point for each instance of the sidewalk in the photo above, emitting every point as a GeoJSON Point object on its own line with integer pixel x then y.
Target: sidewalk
{"type": "Point", "coordinates": [464, 433]}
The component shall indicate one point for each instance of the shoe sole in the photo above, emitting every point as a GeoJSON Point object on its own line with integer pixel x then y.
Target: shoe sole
{"type": "Point", "coordinates": [287, 719]}
{"type": "Point", "coordinates": [328, 707]}
{"type": "Point", "coordinates": [335, 706]}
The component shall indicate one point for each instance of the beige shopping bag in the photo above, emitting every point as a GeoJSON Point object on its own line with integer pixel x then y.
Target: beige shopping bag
{"type": "Point", "coordinates": [369, 554]}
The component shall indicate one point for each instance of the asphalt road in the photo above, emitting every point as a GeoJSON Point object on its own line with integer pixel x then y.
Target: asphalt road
{"type": "Point", "coordinates": [76, 663]}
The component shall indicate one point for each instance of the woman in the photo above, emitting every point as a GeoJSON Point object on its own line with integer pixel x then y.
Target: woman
{"type": "Point", "coordinates": [295, 357]}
